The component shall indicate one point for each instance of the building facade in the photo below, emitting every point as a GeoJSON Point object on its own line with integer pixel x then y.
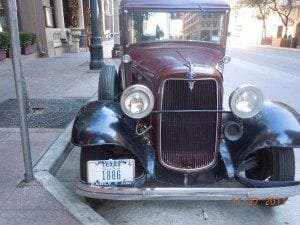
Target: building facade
{"type": "Point", "coordinates": [201, 26]}
{"type": "Point", "coordinates": [52, 21]}
{"type": "Point", "coordinates": [246, 28]}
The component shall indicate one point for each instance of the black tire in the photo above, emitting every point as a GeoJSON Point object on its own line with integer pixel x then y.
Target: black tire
{"type": "Point", "coordinates": [277, 164]}
{"type": "Point", "coordinates": [108, 87]}
{"type": "Point", "coordinates": [94, 201]}
{"type": "Point", "coordinates": [88, 154]}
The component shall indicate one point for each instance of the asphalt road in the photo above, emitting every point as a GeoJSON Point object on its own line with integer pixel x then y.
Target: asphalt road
{"type": "Point", "coordinates": [276, 72]}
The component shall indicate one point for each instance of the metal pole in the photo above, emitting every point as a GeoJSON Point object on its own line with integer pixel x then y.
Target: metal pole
{"type": "Point", "coordinates": [96, 48]}
{"type": "Point", "coordinates": [19, 86]}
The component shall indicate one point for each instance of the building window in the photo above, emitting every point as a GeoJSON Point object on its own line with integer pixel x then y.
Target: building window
{"type": "Point", "coordinates": [205, 35]}
{"type": "Point", "coordinates": [67, 13]}
{"type": "Point", "coordinates": [206, 23]}
{"type": "Point", "coordinates": [215, 33]}
{"type": "Point", "coordinates": [216, 24]}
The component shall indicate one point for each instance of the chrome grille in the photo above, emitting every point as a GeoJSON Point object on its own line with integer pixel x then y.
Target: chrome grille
{"type": "Point", "coordinates": [188, 140]}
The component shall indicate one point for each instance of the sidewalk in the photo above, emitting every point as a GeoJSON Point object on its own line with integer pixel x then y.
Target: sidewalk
{"type": "Point", "coordinates": [278, 48]}
{"type": "Point", "coordinates": [65, 76]}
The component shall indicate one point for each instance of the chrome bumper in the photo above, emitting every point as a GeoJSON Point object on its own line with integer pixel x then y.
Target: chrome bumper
{"type": "Point", "coordinates": [128, 193]}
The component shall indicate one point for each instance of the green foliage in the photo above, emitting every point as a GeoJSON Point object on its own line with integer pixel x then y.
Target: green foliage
{"type": "Point", "coordinates": [27, 38]}
{"type": "Point", "coordinates": [4, 40]}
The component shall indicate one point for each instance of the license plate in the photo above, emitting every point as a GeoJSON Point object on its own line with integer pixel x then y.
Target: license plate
{"type": "Point", "coordinates": [111, 172]}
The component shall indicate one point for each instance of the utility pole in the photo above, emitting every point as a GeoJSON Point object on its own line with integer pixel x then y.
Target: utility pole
{"type": "Point", "coordinates": [96, 47]}
{"type": "Point", "coordinates": [19, 86]}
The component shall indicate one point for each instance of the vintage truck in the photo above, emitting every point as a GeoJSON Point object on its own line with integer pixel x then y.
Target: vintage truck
{"type": "Point", "coordinates": [159, 129]}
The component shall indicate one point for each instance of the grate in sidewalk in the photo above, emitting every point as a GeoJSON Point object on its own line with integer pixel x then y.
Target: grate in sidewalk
{"type": "Point", "coordinates": [51, 113]}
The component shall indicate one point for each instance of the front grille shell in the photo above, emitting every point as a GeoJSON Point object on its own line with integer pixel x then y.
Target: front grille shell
{"type": "Point", "coordinates": [191, 149]}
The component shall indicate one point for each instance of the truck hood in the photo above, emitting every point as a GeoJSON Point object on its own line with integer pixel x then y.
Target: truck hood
{"type": "Point", "coordinates": [166, 58]}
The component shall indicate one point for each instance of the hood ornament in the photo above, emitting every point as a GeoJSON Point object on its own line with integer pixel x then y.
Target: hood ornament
{"type": "Point", "coordinates": [191, 74]}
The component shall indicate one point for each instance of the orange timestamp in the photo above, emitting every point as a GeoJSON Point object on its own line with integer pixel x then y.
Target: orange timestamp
{"type": "Point", "coordinates": [270, 201]}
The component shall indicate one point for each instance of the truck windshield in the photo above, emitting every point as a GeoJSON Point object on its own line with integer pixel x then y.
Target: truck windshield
{"type": "Point", "coordinates": [166, 26]}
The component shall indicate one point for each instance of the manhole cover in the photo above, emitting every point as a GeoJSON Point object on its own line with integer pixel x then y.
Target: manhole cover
{"type": "Point", "coordinates": [48, 113]}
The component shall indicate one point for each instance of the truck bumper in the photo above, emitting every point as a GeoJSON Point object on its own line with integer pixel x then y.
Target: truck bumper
{"type": "Point", "coordinates": [206, 193]}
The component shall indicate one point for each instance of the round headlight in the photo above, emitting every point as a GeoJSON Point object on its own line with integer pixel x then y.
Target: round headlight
{"type": "Point", "coordinates": [246, 101]}
{"type": "Point", "coordinates": [126, 58]}
{"type": "Point", "coordinates": [137, 101]}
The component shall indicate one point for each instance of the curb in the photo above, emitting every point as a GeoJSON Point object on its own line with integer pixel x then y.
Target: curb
{"type": "Point", "coordinates": [278, 48]}
{"type": "Point", "coordinates": [44, 172]}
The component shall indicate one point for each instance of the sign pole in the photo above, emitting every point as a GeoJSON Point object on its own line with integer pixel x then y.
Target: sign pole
{"type": "Point", "coordinates": [19, 86]}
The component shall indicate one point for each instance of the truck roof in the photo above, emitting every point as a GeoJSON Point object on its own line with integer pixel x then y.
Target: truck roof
{"type": "Point", "coordinates": [176, 4]}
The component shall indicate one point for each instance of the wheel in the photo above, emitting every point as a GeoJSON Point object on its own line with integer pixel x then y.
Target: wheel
{"type": "Point", "coordinates": [89, 154]}
{"type": "Point", "coordinates": [108, 87]}
{"type": "Point", "coordinates": [276, 164]}
{"type": "Point", "coordinates": [94, 201]}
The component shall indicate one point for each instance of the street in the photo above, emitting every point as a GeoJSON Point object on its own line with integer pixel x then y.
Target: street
{"type": "Point", "coordinates": [276, 73]}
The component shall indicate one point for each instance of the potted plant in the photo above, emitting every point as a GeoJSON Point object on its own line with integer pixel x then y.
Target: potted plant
{"type": "Point", "coordinates": [3, 45]}
{"type": "Point", "coordinates": [28, 43]}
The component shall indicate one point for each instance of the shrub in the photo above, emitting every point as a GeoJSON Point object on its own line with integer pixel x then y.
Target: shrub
{"type": "Point", "coordinates": [4, 40]}
{"type": "Point", "coordinates": [27, 38]}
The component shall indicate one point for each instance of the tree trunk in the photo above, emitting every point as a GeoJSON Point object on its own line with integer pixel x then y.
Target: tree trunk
{"type": "Point", "coordinates": [263, 15]}
{"type": "Point", "coordinates": [264, 33]}
{"type": "Point", "coordinates": [286, 31]}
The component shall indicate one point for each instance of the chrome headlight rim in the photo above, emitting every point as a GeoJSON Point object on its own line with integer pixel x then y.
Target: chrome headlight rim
{"type": "Point", "coordinates": [235, 95]}
{"type": "Point", "coordinates": [135, 89]}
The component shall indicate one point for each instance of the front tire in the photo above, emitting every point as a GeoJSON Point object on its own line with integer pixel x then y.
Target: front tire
{"type": "Point", "coordinates": [275, 164]}
{"type": "Point", "coordinates": [108, 87]}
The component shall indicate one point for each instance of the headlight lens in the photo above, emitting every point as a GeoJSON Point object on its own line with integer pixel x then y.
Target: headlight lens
{"type": "Point", "coordinates": [137, 101]}
{"type": "Point", "coordinates": [246, 101]}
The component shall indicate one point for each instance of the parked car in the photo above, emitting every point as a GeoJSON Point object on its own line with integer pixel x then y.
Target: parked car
{"type": "Point", "coordinates": [159, 129]}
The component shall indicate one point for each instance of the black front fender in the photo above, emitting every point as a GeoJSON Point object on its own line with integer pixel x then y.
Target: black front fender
{"type": "Point", "coordinates": [277, 125]}
{"type": "Point", "coordinates": [103, 123]}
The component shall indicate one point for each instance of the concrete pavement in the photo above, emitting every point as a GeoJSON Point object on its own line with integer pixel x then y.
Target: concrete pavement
{"type": "Point", "coordinates": [65, 76]}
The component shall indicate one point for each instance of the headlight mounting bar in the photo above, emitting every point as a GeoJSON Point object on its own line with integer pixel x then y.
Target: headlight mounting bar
{"type": "Point", "coordinates": [191, 111]}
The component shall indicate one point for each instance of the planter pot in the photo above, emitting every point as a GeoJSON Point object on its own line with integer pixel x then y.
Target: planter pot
{"type": "Point", "coordinates": [2, 54]}
{"type": "Point", "coordinates": [266, 41]}
{"type": "Point", "coordinates": [286, 43]}
{"type": "Point", "coordinates": [30, 49]}
{"type": "Point", "coordinates": [75, 33]}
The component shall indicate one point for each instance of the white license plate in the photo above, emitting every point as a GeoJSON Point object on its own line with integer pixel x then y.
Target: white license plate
{"type": "Point", "coordinates": [111, 172]}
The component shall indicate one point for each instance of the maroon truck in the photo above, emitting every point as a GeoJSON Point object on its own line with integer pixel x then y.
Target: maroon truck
{"type": "Point", "coordinates": [159, 129]}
